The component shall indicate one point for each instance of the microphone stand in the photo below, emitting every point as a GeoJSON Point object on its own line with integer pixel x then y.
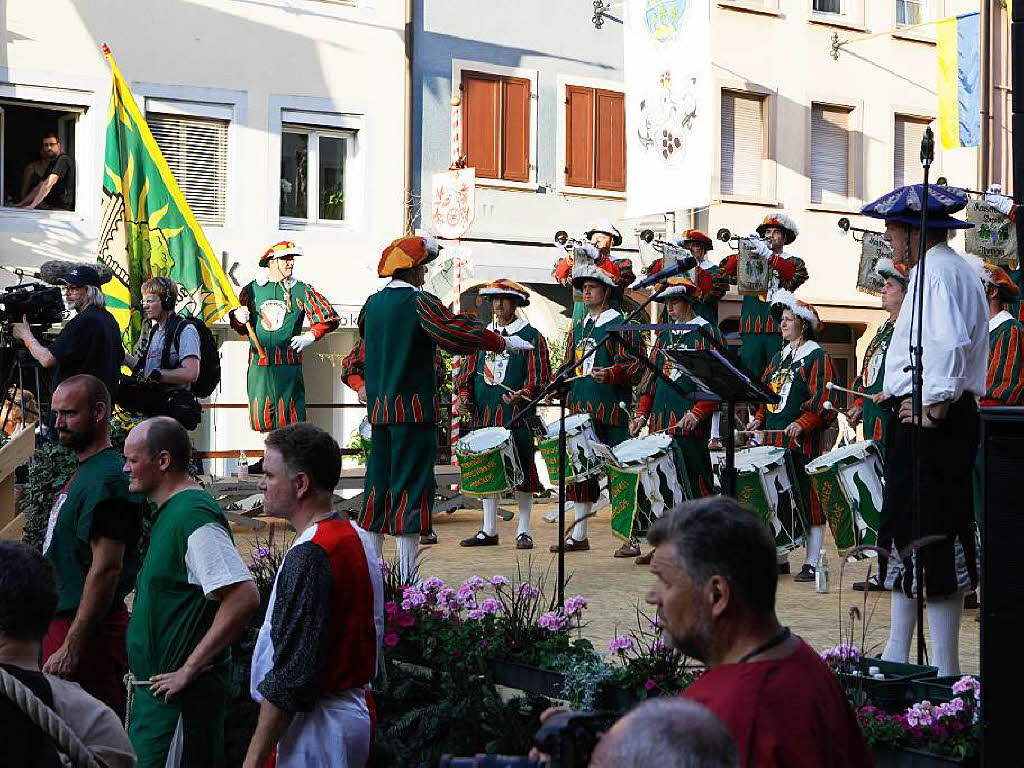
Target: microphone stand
{"type": "Point", "coordinates": [917, 390]}
{"type": "Point", "coordinates": [559, 386]}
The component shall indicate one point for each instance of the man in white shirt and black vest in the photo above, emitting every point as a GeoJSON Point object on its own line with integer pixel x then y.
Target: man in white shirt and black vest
{"type": "Point", "coordinates": [955, 352]}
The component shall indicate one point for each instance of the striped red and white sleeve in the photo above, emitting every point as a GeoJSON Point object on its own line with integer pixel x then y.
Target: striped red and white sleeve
{"type": "Point", "coordinates": [460, 334]}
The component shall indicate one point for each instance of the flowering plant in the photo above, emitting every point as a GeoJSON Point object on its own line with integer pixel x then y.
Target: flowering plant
{"type": "Point", "coordinates": [647, 665]}
{"type": "Point", "coordinates": [950, 728]}
{"type": "Point", "coordinates": [842, 659]}
{"type": "Point", "coordinates": [265, 560]}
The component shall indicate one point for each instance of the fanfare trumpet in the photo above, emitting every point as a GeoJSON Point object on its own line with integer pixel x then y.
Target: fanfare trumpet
{"type": "Point", "coordinates": [728, 237]}
{"type": "Point", "coordinates": [846, 227]}
{"type": "Point", "coordinates": [661, 246]}
{"type": "Point", "coordinates": [563, 240]}
{"type": "Point", "coordinates": [942, 181]}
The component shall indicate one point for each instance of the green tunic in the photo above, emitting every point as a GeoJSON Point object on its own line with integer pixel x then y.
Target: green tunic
{"type": "Point", "coordinates": [277, 392]}
{"type": "Point", "coordinates": [169, 618]}
{"type": "Point", "coordinates": [98, 479]}
{"type": "Point", "coordinates": [484, 382]}
{"type": "Point", "coordinates": [666, 407]}
{"type": "Point", "coordinates": [799, 379]}
{"type": "Point", "coordinates": [601, 401]}
{"type": "Point", "coordinates": [877, 420]}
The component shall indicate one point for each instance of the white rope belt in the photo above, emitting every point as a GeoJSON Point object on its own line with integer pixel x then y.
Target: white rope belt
{"type": "Point", "coordinates": [43, 716]}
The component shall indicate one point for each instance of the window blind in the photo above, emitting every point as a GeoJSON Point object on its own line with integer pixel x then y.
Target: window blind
{"type": "Point", "coordinates": [742, 150]}
{"type": "Point", "coordinates": [196, 151]}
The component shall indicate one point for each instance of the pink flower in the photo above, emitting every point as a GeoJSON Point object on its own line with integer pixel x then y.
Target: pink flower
{"type": "Point", "coordinates": [475, 614]}
{"type": "Point", "coordinates": [432, 584]}
{"type": "Point", "coordinates": [528, 592]}
{"type": "Point", "coordinates": [473, 583]}
{"type": "Point", "coordinates": [465, 593]}
{"type": "Point", "coordinates": [407, 604]}
{"type": "Point", "coordinates": [390, 607]}
{"type": "Point", "coordinates": [498, 581]}
{"type": "Point", "coordinates": [405, 619]}
{"type": "Point", "coordinates": [385, 569]}
{"type": "Point", "coordinates": [575, 605]}
{"type": "Point", "coordinates": [416, 598]}
{"type": "Point", "coordinates": [390, 639]}
{"type": "Point", "coordinates": [649, 685]}
{"type": "Point", "coordinates": [620, 644]}
{"type": "Point", "coordinates": [490, 605]}
{"type": "Point", "coordinates": [552, 621]}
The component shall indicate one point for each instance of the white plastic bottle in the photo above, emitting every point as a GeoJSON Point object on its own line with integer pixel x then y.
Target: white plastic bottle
{"type": "Point", "coordinates": [821, 574]}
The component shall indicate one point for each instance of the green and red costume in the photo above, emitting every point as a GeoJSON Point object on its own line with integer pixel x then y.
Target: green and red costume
{"type": "Point", "coordinates": [876, 419]}
{"type": "Point", "coordinates": [713, 284]}
{"type": "Point", "coordinates": [799, 379]}
{"type": "Point", "coordinates": [483, 378]}
{"type": "Point", "coordinates": [665, 408]}
{"type": "Point", "coordinates": [758, 328]}
{"type": "Point", "coordinates": [400, 328]}
{"type": "Point", "coordinates": [601, 401]}
{"type": "Point", "coordinates": [276, 390]}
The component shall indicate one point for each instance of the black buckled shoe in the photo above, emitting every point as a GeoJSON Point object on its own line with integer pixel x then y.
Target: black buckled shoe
{"type": "Point", "coordinates": [480, 540]}
{"type": "Point", "coordinates": [807, 574]}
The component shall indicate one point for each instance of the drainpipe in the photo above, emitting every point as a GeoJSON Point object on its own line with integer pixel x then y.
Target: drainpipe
{"type": "Point", "coordinates": [408, 211]}
{"type": "Point", "coordinates": [986, 95]}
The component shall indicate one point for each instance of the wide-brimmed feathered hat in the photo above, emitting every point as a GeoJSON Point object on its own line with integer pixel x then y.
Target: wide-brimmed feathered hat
{"type": "Point", "coordinates": [779, 220]}
{"type": "Point", "coordinates": [694, 236]}
{"type": "Point", "coordinates": [887, 268]}
{"type": "Point", "coordinates": [407, 252]}
{"type": "Point", "coordinates": [782, 300]}
{"type": "Point", "coordinates": [606, 227]}
{"type": "Point", "coordinates": [997, 277]}
{"type": "Point", "coordinates": [679, 288]}
{"type": "Point", "coordinates": [279, 250]}
{"type": "Point", "coordinates": [903, 205]}
{"type": "Point", "coordinates": [509, 288]}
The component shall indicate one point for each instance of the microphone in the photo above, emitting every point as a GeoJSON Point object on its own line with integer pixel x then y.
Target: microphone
{"type": "Point", "coordinates": [54, 270]}
{"type": "Point", "coordinates": [685, 263]}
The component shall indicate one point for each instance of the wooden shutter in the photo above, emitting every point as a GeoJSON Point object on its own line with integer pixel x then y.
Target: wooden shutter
{"type": "Point", "coordinates": [481, 123]}
{"type": "Point", "coordinates": [516, 130]}
{"type": "Point", "coordinates": [830, 154]}
{"type": "Point", "coordinates": [197, 152]}
{"type": "Point", "coordinates": [906, 160]}
{"type": "Point", "coordinates": [742, 150]}
{"type": "Point", "coordinates": [579, 136]}
{"type": "Point", "coordinates": [610, 164]}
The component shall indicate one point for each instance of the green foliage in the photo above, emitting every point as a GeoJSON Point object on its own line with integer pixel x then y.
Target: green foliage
{"type": "Point", "coordinates": [48, 471]}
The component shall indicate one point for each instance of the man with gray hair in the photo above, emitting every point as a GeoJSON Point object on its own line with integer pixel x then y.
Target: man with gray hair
{"type": "Point", "coordinates": [666, 733]}
{"type": "Point", "coordinates": [193, 599]}
{"type": "Point", "coordinates": [715, 579]}
{"type": "Point", "coordinates": [90, 341]}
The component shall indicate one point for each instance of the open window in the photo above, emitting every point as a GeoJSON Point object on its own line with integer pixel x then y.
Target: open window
{"type": "Point", "coordinates": [23, 125]}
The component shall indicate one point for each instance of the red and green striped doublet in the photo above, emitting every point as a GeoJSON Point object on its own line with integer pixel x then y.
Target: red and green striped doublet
{"type": "Point", "coordinates": [276, 390]}
{"type": "Point", "coordinates": [869, 382]}
{"type": "Point", "coordinates": [400, 329]}
{"type": "Point", "coordinates": [1004, 383]}
{"type": "Point", "coordinates": [788, 272]}
{"type": "Point", "coordinates": [483, 379]}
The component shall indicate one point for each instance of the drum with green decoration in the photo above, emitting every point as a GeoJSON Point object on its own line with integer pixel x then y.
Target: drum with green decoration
{"type": "Point", "coordinates": [850, 483]}
{"type": "Point", "coordinates": [766, 481]}
{"type": "Point", "coordinates": [643, 483]}
{"type": "Point", "coordinates": [488, 463]}
{"type": "Point", "coordinates": [582, 457]}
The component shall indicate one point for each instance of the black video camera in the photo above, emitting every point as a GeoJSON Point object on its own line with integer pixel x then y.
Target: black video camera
{"type": "Point", "coordinates": [568, 739]}
{"type": "Point", "coordinates": [41, 304]}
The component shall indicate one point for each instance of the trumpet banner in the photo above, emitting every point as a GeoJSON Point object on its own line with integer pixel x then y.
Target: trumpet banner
{"type": "Point", "coordinates": [669, 105]}
{"type": "Point", "coordinates": [148, 229]}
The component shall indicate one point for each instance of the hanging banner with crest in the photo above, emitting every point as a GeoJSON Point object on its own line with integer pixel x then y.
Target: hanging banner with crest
{"type": "Point", "coordinates": [669, 105]}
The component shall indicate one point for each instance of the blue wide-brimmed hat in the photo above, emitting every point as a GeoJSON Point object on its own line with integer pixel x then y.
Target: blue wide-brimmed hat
{"type": "Point", "coordinates": [904, 205]}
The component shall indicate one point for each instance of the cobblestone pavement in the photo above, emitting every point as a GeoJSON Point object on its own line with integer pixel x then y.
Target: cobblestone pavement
{"type": "Point", "coordinates": [613, 586]}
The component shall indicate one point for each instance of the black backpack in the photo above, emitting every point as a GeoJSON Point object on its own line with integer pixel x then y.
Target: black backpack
{"type": "Point", "coordinates": [209, 356]}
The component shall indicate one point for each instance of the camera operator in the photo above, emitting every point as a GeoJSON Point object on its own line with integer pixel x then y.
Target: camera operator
{"type": "Point", "coordinates": [90, 341]}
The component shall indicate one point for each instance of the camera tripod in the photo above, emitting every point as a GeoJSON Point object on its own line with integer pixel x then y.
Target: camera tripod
{"type": "Point", "coordinates": [20, 365]}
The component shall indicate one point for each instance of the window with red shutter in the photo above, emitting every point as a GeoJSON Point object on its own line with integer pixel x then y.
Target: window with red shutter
{"type": "Point", "coordinates": [496, 125]}
{"type": "Point", "coordinates": [595, 138]}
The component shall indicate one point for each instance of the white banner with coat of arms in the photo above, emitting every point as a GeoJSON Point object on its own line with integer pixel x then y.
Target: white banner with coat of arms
{"type": "Point", "coordinates": [669, 105]}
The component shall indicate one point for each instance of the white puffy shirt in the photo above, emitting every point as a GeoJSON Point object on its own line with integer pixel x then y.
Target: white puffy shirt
{"type": "Point", "coordinates": [954, 331]}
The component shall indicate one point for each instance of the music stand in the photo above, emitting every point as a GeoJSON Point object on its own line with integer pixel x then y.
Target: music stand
{"type": "Point", "coordinates": [717, 370]}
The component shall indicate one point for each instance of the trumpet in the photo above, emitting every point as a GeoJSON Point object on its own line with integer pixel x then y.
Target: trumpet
{"type": "Point", "coordinates": [942, 181]}
{"type": "Point", "coordinates": [661, 246]}
{"type": "Point", "coordinates": [562, 240]}
{"type": "Point", "coordinates": [846, 227]}
{"type": "Point", "coordinates": [728, 237]}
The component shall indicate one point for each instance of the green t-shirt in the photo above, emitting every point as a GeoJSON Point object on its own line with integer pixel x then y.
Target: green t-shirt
{"type": "Point", "coordinates": [171, 612]}
{"type": "Point", "coordinates": [94, 503]}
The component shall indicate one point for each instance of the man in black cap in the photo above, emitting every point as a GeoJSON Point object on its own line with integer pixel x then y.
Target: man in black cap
{"type": "Point", "coordinates": [90, 342]}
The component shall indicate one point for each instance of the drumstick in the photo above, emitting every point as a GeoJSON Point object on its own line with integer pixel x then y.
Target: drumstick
{"type": "Point", "coordinates": [830, 385]}
{"type": "Point", "coordinates": [760, 431]}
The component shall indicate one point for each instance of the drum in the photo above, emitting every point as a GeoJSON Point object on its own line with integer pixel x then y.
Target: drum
{"type": "Point", "coordinates": [643, 483]}
{"type": "Point", "coordinates": [583, 450]}
{"type": "Point", "coordinates": [766, 481]}
{"type": "Point", "coordinates": [850, 483]}
{"type": "Point", "coordinates": [488, 462]}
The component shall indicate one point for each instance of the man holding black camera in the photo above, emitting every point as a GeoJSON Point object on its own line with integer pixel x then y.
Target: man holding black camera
{"type": "Point", "coordinates": [90, 342]}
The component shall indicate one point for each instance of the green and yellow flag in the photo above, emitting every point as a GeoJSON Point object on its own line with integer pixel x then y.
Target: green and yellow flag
{"type": "Point", "coordinates": [148, 229]}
